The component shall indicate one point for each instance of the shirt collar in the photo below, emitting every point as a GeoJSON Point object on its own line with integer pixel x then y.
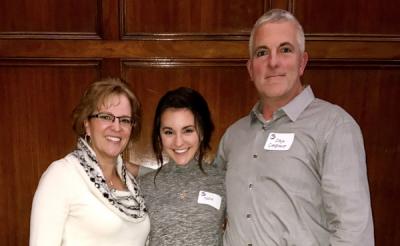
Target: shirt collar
{"type": "Point", "coordinates": [293, 109]}
{"type": "Point", "coordinates": [298, 104]}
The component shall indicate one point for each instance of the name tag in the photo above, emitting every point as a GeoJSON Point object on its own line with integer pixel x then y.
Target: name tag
{"type": "Point", "coordinates": [208, 198]}
{"type": "Point", "coordinates": [279, 141]}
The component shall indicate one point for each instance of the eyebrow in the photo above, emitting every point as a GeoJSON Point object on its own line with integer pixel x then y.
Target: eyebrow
{"type": "Point", "coordinates": [280, 45]}
{"type": "Point", "coordinates": [260, 47]}
{"type": "Point", "coordinates": [166, 128]}
{"type": "Point", "coordinates": [286, 43]}
{"type": "Point", "coordinates": [170, 128]}
{"type": "Point", "coordinates": [108, 112]}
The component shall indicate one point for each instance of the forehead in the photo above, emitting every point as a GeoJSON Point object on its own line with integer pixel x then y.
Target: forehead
{"type": "Point", "coordinates": [275, 33]}
{"type": "Point", "coordinates": [114, 100]}
{"type": "Point", "coordinates": [177, 117]}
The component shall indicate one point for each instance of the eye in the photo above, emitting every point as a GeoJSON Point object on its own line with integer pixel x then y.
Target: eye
{"type": "Point", "coordinates": [261, 52]}
{"type": "Point", "coordinates": [107, 117]}
{"type": "Point", "coordinates": [189, 130]}
{"type": "Point", "coordinates": [126, 120]}
{"type": "Point", "coordinates": [167, 132]}
{"type": "Point", "coordinates": [286, 49]}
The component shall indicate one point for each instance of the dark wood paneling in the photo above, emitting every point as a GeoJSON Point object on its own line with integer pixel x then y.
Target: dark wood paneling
{"type": "Point", "coordinates": [369, 92]}
{"type": "Point", "coordinates": [189, 49]}
{"type": "Point", "coordinates": [37, 98]}
{"type": "Point", "coordinates": [201, 19]}
{"type": "Point", "coordinates": [110, 21]}
{"type": "Point", "coordinates": [354, 46]}
{"type": "Point", "coordinates": [123, 49]}
{"type": "Point", "coordinates": [343, 18]}
{"type": "Point", "coordinates": [74, 19]}
{"type": "Point", "coordinates": [225, 86]}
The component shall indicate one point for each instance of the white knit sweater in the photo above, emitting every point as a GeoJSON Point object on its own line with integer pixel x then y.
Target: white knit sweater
{"type": "Point", "coordinates": [67, 212]}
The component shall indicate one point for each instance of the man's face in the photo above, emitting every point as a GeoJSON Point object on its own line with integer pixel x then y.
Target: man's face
{"type": "Point", "coordinates": [277, 62]}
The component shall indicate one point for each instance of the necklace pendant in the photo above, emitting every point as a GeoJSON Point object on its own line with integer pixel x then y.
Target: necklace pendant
{"type": "Point", "coordinates": [182, 195]}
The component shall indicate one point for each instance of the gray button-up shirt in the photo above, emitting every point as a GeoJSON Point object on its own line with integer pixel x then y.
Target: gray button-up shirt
{"type": "Point", "coordinates": [298, 179]}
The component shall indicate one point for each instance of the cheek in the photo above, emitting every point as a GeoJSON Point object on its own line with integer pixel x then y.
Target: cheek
{"type": "Point", "coordinates": [258, 68]}
{"type": "Point", "coordinates": [195, 141]}
{"type": "Point", "coordinates": [129, 132]}
{"type": "Point", "coordinates": [165, 142]}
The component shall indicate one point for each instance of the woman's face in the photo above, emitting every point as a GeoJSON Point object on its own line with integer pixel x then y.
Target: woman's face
{"type": "Point", "coordinates": [179, 135]}
{"type": "Point", "coordinates": [109, 138]}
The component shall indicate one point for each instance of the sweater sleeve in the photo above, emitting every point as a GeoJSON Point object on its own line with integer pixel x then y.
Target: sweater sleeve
{"type": "Point", "coordinates": [50, 207]}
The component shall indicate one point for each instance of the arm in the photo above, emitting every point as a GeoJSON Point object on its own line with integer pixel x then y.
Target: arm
{"type": "Point", "coordinates": [49, 208]}
{"type": "Point", "coordinates": [220, 160]}
{"type": "Point", "coordinates": [345, 187]}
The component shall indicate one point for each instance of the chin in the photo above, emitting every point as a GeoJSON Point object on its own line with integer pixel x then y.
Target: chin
{"type": "Point", "coordinates": [181, 162]}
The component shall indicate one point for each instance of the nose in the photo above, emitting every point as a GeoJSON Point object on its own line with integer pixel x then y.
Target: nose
{"type": "Point", "coordinates": [116, 125]}
{"type": "Point", "coordinates": [178, 140]}
{"type": "Point", "coordinates": [273, 59]}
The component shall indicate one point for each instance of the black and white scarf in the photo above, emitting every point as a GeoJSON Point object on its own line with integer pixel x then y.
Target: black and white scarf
{"type": "Point", "coordinates": [129, 206]}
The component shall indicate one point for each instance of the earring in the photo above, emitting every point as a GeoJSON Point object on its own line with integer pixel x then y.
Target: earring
{"type": "Point", "coordinates": [87, 139]}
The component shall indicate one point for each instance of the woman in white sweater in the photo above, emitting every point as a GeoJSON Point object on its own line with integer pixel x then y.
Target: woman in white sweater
{"type": "Point", "coordinates": [88, 198]}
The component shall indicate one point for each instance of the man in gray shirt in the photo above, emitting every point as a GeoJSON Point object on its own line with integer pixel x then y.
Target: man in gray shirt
{"type": "Point", "coordinates": [296, 171]}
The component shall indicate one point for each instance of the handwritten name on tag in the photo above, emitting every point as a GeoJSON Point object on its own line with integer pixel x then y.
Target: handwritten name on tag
{"type": "Point", "coordinates": [279, 141]}
{"type": "Point", "coordinates": [208, 198]}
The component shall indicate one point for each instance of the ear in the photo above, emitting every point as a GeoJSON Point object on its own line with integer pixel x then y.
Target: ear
{"type": "Point", "coordinates": [87, 127]}
{"type": "Point", "coordinates": [249, 66]}
{"type": "Point", "coordinates": [303, 62]}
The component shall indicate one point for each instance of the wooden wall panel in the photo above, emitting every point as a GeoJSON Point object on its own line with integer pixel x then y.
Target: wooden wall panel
{"type": "Point", "coordinates": [50, 18]}
{"type": "Point", "coordinates": [225, 86]}
{"type": "Point", "coordinates": [349, 18]}
{"type": "Point", "coordinates": [369, 92]}
{"type": "Point", "coordinates": [37, 98]}
{"type": "Point", "coordinates": [172, 19]}
{"type": "Point", "coordinates": [354, 47]}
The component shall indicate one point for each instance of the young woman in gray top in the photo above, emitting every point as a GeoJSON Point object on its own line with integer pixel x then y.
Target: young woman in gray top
{"type": "Point", "coordinates": [185, 197]}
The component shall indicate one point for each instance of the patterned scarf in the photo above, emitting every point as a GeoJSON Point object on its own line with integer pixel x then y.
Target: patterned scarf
{"type": "Point", "coordinates": [131, 206]}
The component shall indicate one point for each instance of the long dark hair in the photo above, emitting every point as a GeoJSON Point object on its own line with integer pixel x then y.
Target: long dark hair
{"type": "Point", "coordinates": [184, 97]}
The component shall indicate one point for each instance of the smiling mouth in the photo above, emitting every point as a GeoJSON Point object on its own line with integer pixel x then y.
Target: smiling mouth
{"type": "Point", "coordinates": [113, 139]}
{"type": "Point", "coordinates": [274, 75]}
{"type": "Point", "coordinates": [181, 151]}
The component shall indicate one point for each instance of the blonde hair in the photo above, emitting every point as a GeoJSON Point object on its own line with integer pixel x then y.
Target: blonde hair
{"type": "Point", "coordinates": [95, 95]}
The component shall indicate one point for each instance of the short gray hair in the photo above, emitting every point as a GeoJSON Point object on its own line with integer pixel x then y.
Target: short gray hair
{"type": "Point", "coordinates": [278, 15]}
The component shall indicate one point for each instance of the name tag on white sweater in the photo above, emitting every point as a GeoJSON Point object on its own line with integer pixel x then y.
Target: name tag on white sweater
{"type": "Point", "coordinates": [208, 198]}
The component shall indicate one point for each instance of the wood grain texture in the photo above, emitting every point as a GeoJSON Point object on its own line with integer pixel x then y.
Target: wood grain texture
{"type": "Point", "coordinates": [201, 19]}
{"type": "Point", "coordinates": [50, 19]}
{"type": "Point", "coordinates": [317, 49]}
{"type": "Point", "coordinates": [342, 17]}
{"type": "Point", "coordinates": [369, 93]}
{"type": "Point", "coordinates": [50, 50]}
{"type": "Point", "coordinates": [224, 84]}
{"type": "Point", "coordinates": [37, 98]}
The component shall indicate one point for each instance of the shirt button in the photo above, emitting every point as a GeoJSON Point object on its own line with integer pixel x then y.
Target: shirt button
{"type": "Point", "coordinates": [250, 186]}
{"type": "Point", "coordinates": [255, 156]}
{"type": "Point", "coordinates": [264, 128]}
{"type": "Point", "coordinates": [248, 216]}
{"type": "Point", "coordinates": [249, 244]}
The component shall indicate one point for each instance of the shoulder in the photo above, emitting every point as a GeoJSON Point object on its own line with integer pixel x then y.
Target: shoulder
{"type": "Point", "coordinates": [238, 128]}
{"type": "Point", "coordinates": [146, 180]}
{"type": "Point", "coordinates": [241, 123]}
{"type": "Point", "coordinates": [214, 175]}
{"type": "Point", "coordinates": [331, 120]}
{"type": "Point", "coordinates": [212, 168]}
{"type": "Point", "coordinates": [60, 171]}
{"type": "Point", "coordinates": [330, 112]}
